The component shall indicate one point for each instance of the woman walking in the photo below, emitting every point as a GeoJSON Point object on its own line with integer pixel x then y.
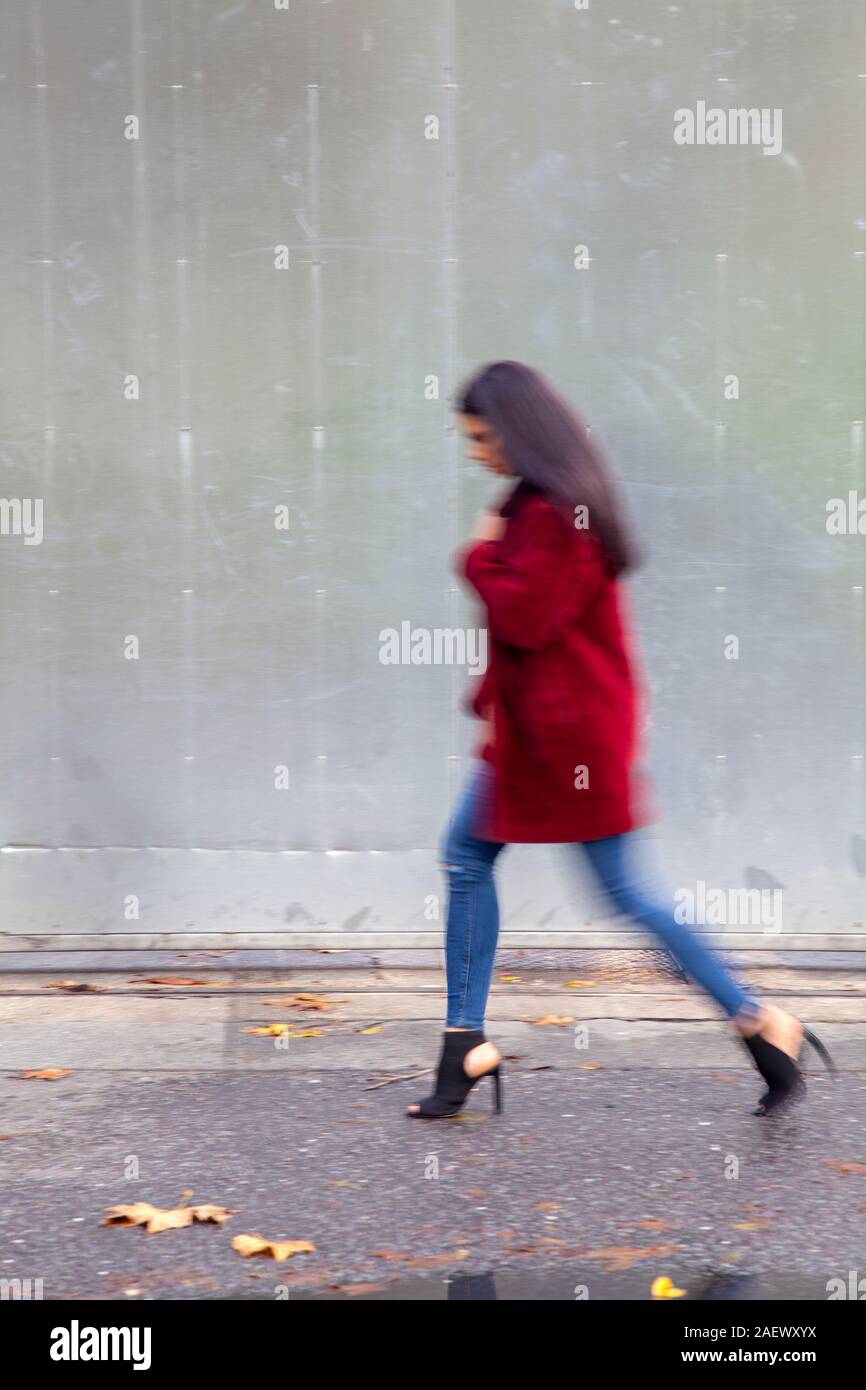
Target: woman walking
{"type": "Point", "coordinates": [561, 702]}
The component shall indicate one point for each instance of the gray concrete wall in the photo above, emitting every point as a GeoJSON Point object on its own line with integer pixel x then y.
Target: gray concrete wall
{"type": "Point", "coordinates": [171, 377]}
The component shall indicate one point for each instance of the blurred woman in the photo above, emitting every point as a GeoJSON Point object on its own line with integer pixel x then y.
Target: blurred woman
{"type": "Point", "coordinates": [561, 699]}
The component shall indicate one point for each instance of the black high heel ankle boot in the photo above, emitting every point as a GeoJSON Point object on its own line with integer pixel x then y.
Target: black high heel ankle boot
{"type": "Point", "coordinates": [784, 1079]}
{"type": "Point", "coordinates": [452, 1083]}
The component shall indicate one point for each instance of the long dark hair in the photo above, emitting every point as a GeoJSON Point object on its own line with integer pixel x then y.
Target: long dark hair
{"type": "Point", "coordinates": [547, 443]}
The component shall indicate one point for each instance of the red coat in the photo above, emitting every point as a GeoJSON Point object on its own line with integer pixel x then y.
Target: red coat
{"type": "Point", "coordinates": [564, 691]}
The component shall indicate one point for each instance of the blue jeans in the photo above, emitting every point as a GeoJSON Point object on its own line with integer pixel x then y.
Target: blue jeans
{"type": "Point", "coordinates": [473, 913]}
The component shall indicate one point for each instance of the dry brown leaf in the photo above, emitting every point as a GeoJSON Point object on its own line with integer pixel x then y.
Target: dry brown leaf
{"type": "Point", "coordinates": [551, 1020]}
{"type": "Point", "coordinates": [376, 1028]}
{"type": "Point", "coordinates": [352, 1289]}
{"type": "Point", "coordinates": [166, 980]}
{"type": "Point", "coordinates": [271, 1249]}
{"type": "Point", "coordinates": [75, 987]}
{"type": "Point", "coordinates": [590, 1066]}
{"type": "Point", "coordinates": [156, 1219]}
{"type": "Point", "coordinates": [652, 1223]}
{"type": "Point", "coordinates": [760, 1225]}
{"type": "Point", "coordinates": [844, 1167]}
{"type": "Point", "coordinates": [580, 984]}
{"type": "Point", "coordinates": [44, 1073]}
{"type": "Point", "coordinates": [313, 1002]}
{"type": "Point", "coordinates": [386, 1255]}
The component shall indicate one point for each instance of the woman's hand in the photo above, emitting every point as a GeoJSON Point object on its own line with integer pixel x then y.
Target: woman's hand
{"type": "Point", "coordinates": [490, 526]}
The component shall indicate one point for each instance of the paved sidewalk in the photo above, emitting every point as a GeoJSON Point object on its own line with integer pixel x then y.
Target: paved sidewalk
{"type": "Point", "coordinates": [626, 1150]}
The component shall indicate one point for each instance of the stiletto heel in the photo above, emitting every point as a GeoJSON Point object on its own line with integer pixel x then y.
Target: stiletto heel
{"type": "Point", "coordinates": [453, 1084]}
{"type": "Point", "coordinates": [497, 1082]}
{"type": "Point", "coordinates": [821, 1051]}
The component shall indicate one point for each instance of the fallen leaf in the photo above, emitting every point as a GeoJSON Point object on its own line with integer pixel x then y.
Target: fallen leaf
{"type": "Point", "coordinates": [156, 1219]}
{"type": "Point", "coordinates": [212, 1213]}
{"type": "Point", "coordinates": [663, 1287]}
{"type": "Point", "coordinates": [843, 1167]}
{"type": "Point", "coordinates": [749, 1225]}
{"type": "Point", "coordinates": [273, 1249]}
{"type": "Point", "coordinates": [376, 1028]}
{"type": "Point", "coordinates": [284, 1030]}
{"type": "Point", "coordinates": [580, 984]}
{"type": "Point", "coordinates": [590, 1066]}
{"type": "Point", "coordinates": [75, 987]}
{"type": "Point", "coordinates": [386, 1255]}
{"type": "Point", "coordinates": [512, 979]}
{"type": "Point", "coordinates": [550, 1020]}
{"type": "Point", "coordinates": [352, 1289]}
{"type": "Point", "coordinates": [166, 980]}
{"type": "Point", "coordinates": [652, 1223]}
{"type": "Point", "coordinates": [546, 1206]}
{"type": "Point", "coordinates": [303, 1001]}
{"type": "Point", "coordinates": [45, 1073]}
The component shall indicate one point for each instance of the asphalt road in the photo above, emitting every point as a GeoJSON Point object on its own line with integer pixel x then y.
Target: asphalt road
{"type": "Point", "coordinates": [604, 1178]}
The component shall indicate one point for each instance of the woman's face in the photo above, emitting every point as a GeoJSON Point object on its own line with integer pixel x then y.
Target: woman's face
{"type": "Point", "coordinates": [485, 445]}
